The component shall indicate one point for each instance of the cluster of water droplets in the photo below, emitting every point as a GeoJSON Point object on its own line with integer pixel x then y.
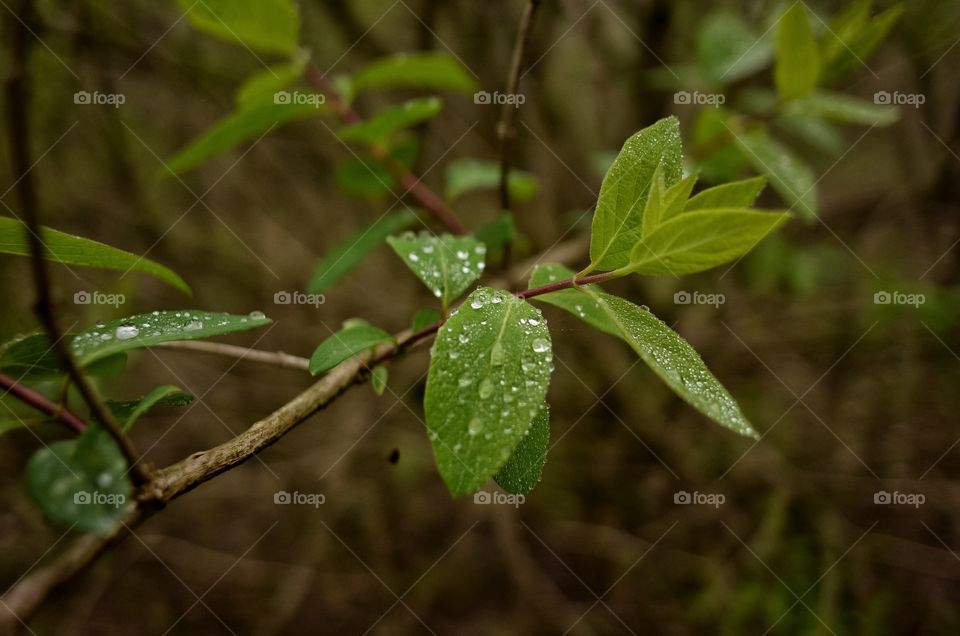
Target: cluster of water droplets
{"type": "Point", "coordinates": [155, 326]}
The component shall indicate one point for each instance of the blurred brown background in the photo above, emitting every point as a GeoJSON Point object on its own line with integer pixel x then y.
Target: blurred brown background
{"type": "Point", "coordinates": [853, 398]}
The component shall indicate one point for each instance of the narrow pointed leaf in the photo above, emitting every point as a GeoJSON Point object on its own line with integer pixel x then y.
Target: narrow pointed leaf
{"type": "Point", "coordinates": [525, 467]}
{"type": "Point", "coordinates": [446, 264]}
{"type": "Point", "coordinates": [81, 483]}
{"type": "Point", "coordinates": [676, 196]}
{"type": "Point", "coordinates": [128, 412]}
{"type": "Point", "coordinates": [655, 203]}
{"type": "Point", "coordinates": [437, 71]}
{"type": "Point", "coordinates": [147, 330]}
{"type": "Point", "coordinates": [379, 128]}
{"type": "Point", "coordinates": [378, 379]}
{"type": "Point", "coordinates": [697, 241]}
{"type": "Point", "coordinates": [344, 258]}
{"type": "Point", "coordinates": [268, 26]}
{"type": "Point", "coordinates": [736, 194]}
{"type": "Point", "coordinates": [348, 342]}
{"type": "Point", "coordinates": [618, 221]}
{"type": "Point", "coordinates": [798, 62]}
{"type": "Point", "coordinates": [489, 371]}
{"type": "Point", "coordinates": [67, 249]}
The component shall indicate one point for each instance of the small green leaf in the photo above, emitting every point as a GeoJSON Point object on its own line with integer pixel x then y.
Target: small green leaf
{"type": "Point", "coordinates": [74, 250]}
{"type": "Point", "coordinates": [269, 26]}
{"type": "Point", "coordinates": [353, 339]}
{"type": "Point", "coordinates": [344, 258]}
{"type": "Point", "coordinates": [676, 196]}
{"type": "Point", "coordinates": [525, 467]}
{"type": "Point", "coordinates": [854, 37]}
{"type": "Point", "coordinates": [798, 62]}
{"type": "Point", "coordinates": [147, 330]}
{"type": "Point", "coordinates": [469, 175]}
{"type": "Point", "coordinates": [789, 175]}
{"type": "Point", "coordinates": [664, 351]}
{"type": "Point", "coordinates": [489, 371]}
{"type": "Point", "coordinates": [241, 126]}
{"type": "Point", "coordinates": [736, 194]}
{"type": "Point", "coordinates": [383, 125]}
{"type": "Point", "coordinates": [729, 49]}
{"type": "Point", "coordinates": [264, 86]}
{"type": "Point", "coordinates": [654, 204]}
{"type": "Point", "coordinates": [618, 220]}
{"type": "Point", "coordinates": [437, 71]}
{"type": "Point", "coordinates": [32, 357]}
{"type": "Point", "coordinates": [128, 412]}
{"type": "Point", "coordinates": [697, 241]}
{"type": "Point", "coordinates": [378, 379]}
{"type": "Point", "coordinates": [81, 483]}
{"type": "Point", "coordinates": [844, 109]}
{"type": "Point", "coordinates": [424, 318]}
{"type": "Point", "coordinates": [446, 264]}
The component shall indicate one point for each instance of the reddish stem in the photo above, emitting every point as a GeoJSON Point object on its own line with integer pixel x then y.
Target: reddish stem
{"type": "Point", "coordinates": [42, 403]}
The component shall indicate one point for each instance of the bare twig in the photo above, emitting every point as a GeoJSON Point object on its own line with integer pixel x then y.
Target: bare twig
{"type": "Point", "coordinates": [41, 403]}
{"type": "Point", "coordinates": [275, 358]}
{"type": "Point", "coordinates": [506, 132]}
{"type": "Point", "coordinates": [26, 192]}
{"type": "Point", "coordinates": [412, 183]}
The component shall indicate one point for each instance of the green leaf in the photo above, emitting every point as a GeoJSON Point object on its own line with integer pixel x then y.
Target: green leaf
{"type": "Point", "coordinates": [697, 241]}
{"type": "Point", "coordinates": [424, 318]}
{"type": "Point", "coordinates": [436, 71]}
{"type": "Point", "coordinates": [128, 412]}
{"type": "Point", "coordinates": [618, 220]}
{"type": "Point", "coordinates": [352, 339]}
{"type": "Point", "coordinates": [489, 371]}
{"type": "Point", "coordinates": [74, 250]}
{"type": "Point", "coordinates": [383, 125]}
{"type": "Point", "coordinates": [378, 379]}
{"type": "Point", "coordinates": [789, 175]}
{"type": "Point", "coordinates": [651, 209]}
{"type": "Point", "coordinates": [269, 26]}
{"type": "Point", "coordinates": [798, 62]}
{"type": "Point", "coordinates": [469, 175]}
{"type": "Point", "coordinates": [497, 235]}
{"type": "Point", "coordinates": [241, 126]}
{"type": "Point", "coordinates": [81, 483]}
{"type": "Point", "coordinates": [344, 258]}
{"type": "Point", "coordinates": [676, 196]}
{"type": "Point", "coordinates": [446, 264]}
{"type": "Point", "coordinates": [854, 37]}
{"type": "Point", "coordinates": [844, 109]}
{"type": "Point", "coordinates": [264, 86]}
{"type": "Point", "coordinates": [737, 194]}
{"type": "Point", "coordinates": [525, 467]}
{"type": "Point", "coordinates": [147, 330]}
{"type": "Point", "coordinates": [32, 357]}
{"type": "Point", "coordinates": [664, 351]}
{"type": "Point", "coordinates": [729, 49]}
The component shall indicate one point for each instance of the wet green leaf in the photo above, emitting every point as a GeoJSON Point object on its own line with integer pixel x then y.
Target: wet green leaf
{"type": "Point", "coordinates": [525, 467]}
{"type": "Point", "coordinates": [446, 264]}
{"type": "Point", "coordinates": [353, 339]}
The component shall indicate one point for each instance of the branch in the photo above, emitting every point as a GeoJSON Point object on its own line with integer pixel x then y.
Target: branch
{"type": "Point", "coordinates": [506, 131]}
{"type": "Point", "coordinates": [42, 403]}
{"type": "Point", "coordinates": [275, 358]}
{"type": "Point", "coordinates": [26, 192]}
{"type": "Point", "coordinates": [414, 186]}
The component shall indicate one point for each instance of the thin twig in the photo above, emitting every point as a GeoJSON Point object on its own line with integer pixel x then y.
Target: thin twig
{"type": "Point", "coordinates": [412, 183]}
{"type": "Point", "coordinates": [42, 403]}
{"type": "Point", "coordinates": [506, 132]}
{"type": "Point", "coordinates": [20, 152]}
{"type": "Point", "coordinates": [275, 358]}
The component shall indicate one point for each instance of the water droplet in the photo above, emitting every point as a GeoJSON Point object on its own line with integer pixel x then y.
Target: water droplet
{"type": "Point", "coordinates": [496, 354]}
{"type": "Point", "coordinates": [193, 325]}
{"type": "Point", "coordinates": [475, 426]}
{"type": "Point", "coordinates": [486, 388]}
{"type": "Point", "coordinates": [541, 345]}
{"type": "Point", "coordinates": [428, 249]}
{"type": "Point", "coordinates": [413, 257]}
{"type": "Point", "coordinates": [257, 315]}
{"type": "Point", "coordinates": [127, 331]}
{"type": "Point", "coordinates": [462, 255]}
{"type": "Point", "coordinates": [465, 380]}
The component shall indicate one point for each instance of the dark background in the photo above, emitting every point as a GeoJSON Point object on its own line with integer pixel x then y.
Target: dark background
{"type": "Point", "coordinates": [851, 398]}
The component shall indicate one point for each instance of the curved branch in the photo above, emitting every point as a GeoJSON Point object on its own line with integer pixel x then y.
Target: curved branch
{"type": "Point", "coordinates": [41, 403]}
{"type": "Point", "coordinates": [275, 358]}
